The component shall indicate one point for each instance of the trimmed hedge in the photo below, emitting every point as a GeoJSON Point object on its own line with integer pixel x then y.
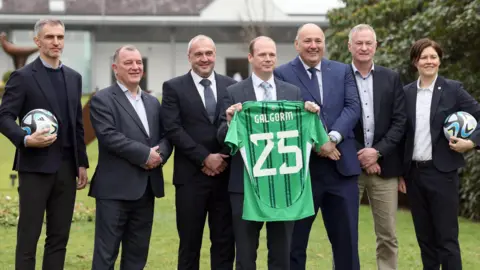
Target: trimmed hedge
{"type": "Point", "coordinates": [470, 187]}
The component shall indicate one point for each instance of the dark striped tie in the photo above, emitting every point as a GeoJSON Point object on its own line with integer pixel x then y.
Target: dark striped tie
{"type": "Point", "coordinates": [210, 103]}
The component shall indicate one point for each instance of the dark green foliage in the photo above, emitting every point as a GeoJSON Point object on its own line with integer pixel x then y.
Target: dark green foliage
{"type": "Point", "coordinates": [6, 75]}
{"type": "Point", "coordinates": [454, 24]}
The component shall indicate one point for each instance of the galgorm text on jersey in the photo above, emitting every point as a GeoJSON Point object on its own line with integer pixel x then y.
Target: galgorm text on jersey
{"type": "Point", "coordinates": [273, 117]}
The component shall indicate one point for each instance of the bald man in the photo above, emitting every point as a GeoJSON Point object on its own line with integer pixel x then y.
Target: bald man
{"type": "Point", "coordinates": [335, 169]}
{"type": "Point", "coordinates": [192, 104]}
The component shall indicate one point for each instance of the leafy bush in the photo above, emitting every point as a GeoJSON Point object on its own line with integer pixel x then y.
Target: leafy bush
{"type": "Point", "coordinates": [9, 212]}
{"type": "Point", "coordinates": [470, 187]}
{"type": "Point", "coordinates": [6, 75]}
{"type": "Point", "coordinates": [397, 25]}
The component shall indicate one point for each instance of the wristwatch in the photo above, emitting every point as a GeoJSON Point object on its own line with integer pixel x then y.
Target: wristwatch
{"type": "Point", "coordinates": [333, 139]}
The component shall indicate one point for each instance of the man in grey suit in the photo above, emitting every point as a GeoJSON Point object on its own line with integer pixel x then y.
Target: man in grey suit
{"type": "Point", "coordinates": [132, 149]}
{"type": "Point", "coordinates": [260, 86]}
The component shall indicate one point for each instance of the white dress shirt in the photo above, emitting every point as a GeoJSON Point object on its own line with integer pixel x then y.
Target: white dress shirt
{"type": "Point", "coordinates": [319, 75]}
{"type": "Point", "coordinates": [422, 145]}
{"type": "Point", "coordinates": [201, 89]}
{"type": "Point", "coordinates": [137, 104]}
{"type": "Point", "coordinates": [318, 67]}
{"type": "Point", "coordinates": [259, 91]}
{"type": "Point", "coordinates": [365, 89]}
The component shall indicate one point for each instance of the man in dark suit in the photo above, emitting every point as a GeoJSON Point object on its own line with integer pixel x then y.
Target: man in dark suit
{"type": "Point", "coordinates": [47, 165]}
{"type": "Point", "coordinates": [132, 148]}
{"type": "Point", "coordinates": [261, 85]}
{"type": "Point", "coordinates": [379, 134]}
{"type": "Point", "coordinates": [192, 104]}
{"type": "Point", "coordinates": [335, 169]}
{"type": "Point", "coordinates": [431, 160]}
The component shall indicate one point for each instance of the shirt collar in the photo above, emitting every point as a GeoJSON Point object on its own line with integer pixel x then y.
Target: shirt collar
{"type": "Point", "coordinates": [317, 67]}
{"type": "Point", "coordinates": [197, 79]}
{"type": "Point", "coordinates": [45, 64]}
{"type": "Point", "coordinates": [355, 70]}
{"type": "Point", "coordinates": [430, 87]}
{"type": "Point", "coordinates": [257, 81]}
{"type": "Point", "coordinates": [125, 89]}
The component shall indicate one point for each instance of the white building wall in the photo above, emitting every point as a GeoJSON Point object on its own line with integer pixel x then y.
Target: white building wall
{"type": "Point", "coordinates": [164, 65]}
{"type": "Point", "coordinates": [6, 63]}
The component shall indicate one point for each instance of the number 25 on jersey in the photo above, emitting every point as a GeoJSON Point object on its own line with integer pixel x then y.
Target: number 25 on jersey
{"type": "Point", "coordinates": [281, 149]}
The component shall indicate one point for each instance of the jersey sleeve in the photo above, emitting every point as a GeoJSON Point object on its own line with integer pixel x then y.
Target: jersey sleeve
{"type": "Point", "coordinates": [318, 133]}
{"type": "Point", "coordinates": [233, 139]}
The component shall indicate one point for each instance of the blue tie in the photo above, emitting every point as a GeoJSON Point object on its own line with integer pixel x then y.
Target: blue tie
{"type": "Point", "coordinates": [314, 79]}
{"type": "Point", "coordinates": [267, 91]}
{"type": "Point", "coordinates": [210, 103]}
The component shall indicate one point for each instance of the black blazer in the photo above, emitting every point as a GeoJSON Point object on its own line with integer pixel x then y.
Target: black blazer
{"type": "Point", "coordinates": [449, 96]}
{"type": "Point", "coordinates": [188, 126]}
{"type": "Point", "coordinates": [124, 146]}
{"type": "Point", "coordinates": [30, 88]}
{"type": "Point", "coordinates": [390, 120]}
{"type": "Point", "coordinates": [239, 93]}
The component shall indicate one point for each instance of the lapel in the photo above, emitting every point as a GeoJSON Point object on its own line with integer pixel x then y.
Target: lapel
{"type": "Point", "coordinates": [359, 127]}
{"type": "Point", "coordinates": [221, 92]}
{"type": "Point", "coordinates": [411, 96]}
{"type": "Point", "coordinates": [41, 76]}
{"type": "Point", "coordinates": [149, 107]}
{"type": "Point", "coordinates": [71, 87]}
{"type": "Point", "coordinates": [120, 97]}
{"type": "Point", "coordinates": [193, 93]}
{"type": "Point", "coordinates": [437, 93]}
{"type": "Point", "coordinates": [302, 75]}
{"type": "Point", "coordinates": [326, 83]}
{"type": "Point", "coordinates": [358, 90]}
{"type": "Point", "coordinates": [249, 91]}
{"type": "Point", "coordinates": [377, 91]}
{"type": "Point", "coordinates": [281, 94]}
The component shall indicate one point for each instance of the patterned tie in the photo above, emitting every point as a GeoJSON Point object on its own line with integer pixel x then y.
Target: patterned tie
{"type": "Point", "coordinates": [314, 79]}
{"type": "Point", "coordinates": [210, 103]}
{"type": "Point", "coordinates": [267, 91]}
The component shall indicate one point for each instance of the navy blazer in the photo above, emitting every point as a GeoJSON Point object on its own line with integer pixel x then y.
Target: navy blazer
{"type": "Point", "coordinates": [124, 146]}
{"type": "Point", "coordinates": [30, 88]}
{"type": "Point", "coordinates": [448, 97]}
{"type": "Point", "coordinates": [340, 110]}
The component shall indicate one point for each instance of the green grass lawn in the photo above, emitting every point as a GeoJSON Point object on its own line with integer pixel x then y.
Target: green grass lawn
{"type": "Point", "coordinates": [164, 242]}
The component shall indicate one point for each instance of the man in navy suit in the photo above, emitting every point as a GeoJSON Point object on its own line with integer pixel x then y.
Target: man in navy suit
{"type": "Point", "coordinates": [47, 165]}
{"type": "Point", "coordinates": [335, 169]}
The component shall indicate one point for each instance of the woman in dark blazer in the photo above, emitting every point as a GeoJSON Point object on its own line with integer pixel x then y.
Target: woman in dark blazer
{"type": "Point", "coordinates": [431, 160]}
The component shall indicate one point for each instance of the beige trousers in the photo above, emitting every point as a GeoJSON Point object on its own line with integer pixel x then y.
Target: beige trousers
{"type": "Point", "coordinates": [383, 197]}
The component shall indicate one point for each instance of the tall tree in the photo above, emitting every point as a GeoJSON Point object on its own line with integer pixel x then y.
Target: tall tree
{"type": "Point", "coordinates": [455, 24]}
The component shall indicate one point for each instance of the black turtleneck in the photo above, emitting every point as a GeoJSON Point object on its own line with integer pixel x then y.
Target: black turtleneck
{"type": "Point", "coordinates": [60, 89]}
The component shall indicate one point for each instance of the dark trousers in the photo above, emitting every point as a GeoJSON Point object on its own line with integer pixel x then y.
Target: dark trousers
{"type": "Point", "coordinates": [434, 203]}
{"type": "Point", "coordinates": [55, 194]}
{"type": "Point", "coordinates": [337, 197]}
{"type": "Point", "coordinates": [125, 222]}
{"type": "Point", "coordinates": [247, 234]}
{"type": "Point", "coordinates": [193, 201]}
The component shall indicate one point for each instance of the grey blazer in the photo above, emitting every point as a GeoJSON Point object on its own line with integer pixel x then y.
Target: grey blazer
{"type": "Point", "coordinates": [124, 146]}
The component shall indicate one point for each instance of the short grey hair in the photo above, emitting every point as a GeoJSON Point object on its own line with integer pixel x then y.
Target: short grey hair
{"type": "Point", "coordinates": [42, 22]}
{"type": "Point", "coordinates": [359, 28]}
{"type": "Point", "coordinates": [197, 38]}
{"type": "Point", "coordinates": [127, 47]}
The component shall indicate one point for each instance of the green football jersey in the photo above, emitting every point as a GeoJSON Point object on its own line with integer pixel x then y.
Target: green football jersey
{"type": "Point", "coordinates": [275, 139]}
